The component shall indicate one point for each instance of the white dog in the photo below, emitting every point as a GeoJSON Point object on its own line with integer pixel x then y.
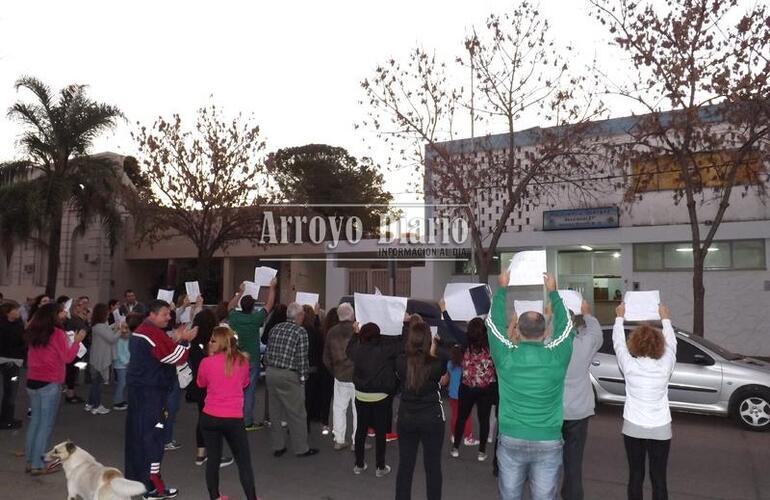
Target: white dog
{"type": "Point", "coordinates": [87, 479]}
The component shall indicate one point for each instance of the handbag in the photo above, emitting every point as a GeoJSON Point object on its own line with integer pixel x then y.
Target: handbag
{"type": "Point", "coordinates": [184, 374]}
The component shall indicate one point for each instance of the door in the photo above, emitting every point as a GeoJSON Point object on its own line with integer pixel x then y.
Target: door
{"type": "Point", "coordinates": [697, 377]}
{"type": "Point", "coordinates": [604, 368]}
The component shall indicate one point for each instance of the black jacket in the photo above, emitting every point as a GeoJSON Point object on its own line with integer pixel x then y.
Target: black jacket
{"type": "Point", "coordinates": [425, 402]}
{"type": "Point", "coordinates": [12, 345]}
{"type": "Point", "coordinates": [374, 363]}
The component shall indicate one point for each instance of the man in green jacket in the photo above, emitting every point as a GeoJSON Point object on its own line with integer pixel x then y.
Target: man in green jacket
{"type": "Point", "coordinates": [530, 374]}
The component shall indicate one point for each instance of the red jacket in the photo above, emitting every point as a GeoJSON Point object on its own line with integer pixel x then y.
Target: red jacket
{"type": "Point", "coordinates": [48, 363]}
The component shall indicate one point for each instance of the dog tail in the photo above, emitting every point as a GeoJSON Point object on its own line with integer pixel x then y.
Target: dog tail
{"type": "Point", "coordinates": [124, 487]}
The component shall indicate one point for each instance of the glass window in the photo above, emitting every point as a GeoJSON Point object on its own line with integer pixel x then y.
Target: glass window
{"type": "Point", "coordinates": [648, 257]}
{"type": "Point", "coordinates": [607, 263]}
{"type": "Point", "coordinates": [686, 352]}
{"type": "Point", "coordinates": [749, 254]}
{"type": "Point", "coordinates": [575, 263]}
{"type": "Point", "coordinates": [679, 256]}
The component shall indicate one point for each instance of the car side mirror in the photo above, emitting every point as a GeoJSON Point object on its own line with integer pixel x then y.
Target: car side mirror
{"type": "Point", "coordinates": [702, 359]}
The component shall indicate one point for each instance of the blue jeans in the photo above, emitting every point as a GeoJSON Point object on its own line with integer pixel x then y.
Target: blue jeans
{"type": "Point", "coordinates": [120, 386]}
{"type": "Point", "coordinates": [44, 403]}
{"type": "Point", "coordinates": [250, 393]}
{"type": "Point", "coordinates": [538, 461]}
{"type": "Point", "coordinates": [172, 407]}
{"type": "Point", "coordinates": [95, 394]}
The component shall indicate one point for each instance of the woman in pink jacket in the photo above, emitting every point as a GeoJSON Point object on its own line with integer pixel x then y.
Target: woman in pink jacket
{"type": "Point", "coordinates": [224, 374]}
{"type": "Point", "coordinates": [49, 351]}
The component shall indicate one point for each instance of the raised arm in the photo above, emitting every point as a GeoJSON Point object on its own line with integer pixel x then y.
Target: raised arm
{"type": "Point", "coordinates": [668, 335]}
{"type": "Point", "coordinates": [592, 331]}
{"type": "Point", "coordinates": [619, 339]}
{"type": "Point", "coordinates": [271, 294]}
{"type": "Point", "coordinates": [236, 298]}
{"type": "Point", "coordinates": [459, 336]}
{"type": "Point", "coordinates": [563, 331]}
{"type": "Point", "coordinates": [497, 321]}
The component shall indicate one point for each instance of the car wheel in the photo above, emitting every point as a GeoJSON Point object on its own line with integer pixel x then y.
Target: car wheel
{"type": "Point", "coordinates": [752, 410]}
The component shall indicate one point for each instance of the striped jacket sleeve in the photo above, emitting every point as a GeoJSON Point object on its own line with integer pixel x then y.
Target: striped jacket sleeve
{"type": "Point", "coordinates": [563, 331]}
{"type": "Point", "coordinates": [497, 323]}
{"type": "Point", "coordinates": [169, 352]}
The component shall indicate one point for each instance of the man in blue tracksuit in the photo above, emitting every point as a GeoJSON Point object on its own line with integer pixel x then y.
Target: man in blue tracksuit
{"type": "Point", "coordinates": [150, 374]}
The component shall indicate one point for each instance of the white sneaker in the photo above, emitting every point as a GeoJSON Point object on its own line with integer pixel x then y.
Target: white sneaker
{"type": "Point", "coordinates": [88, 408]}
{"type": "Point", "coordinates": [470, 442]}
{"type": "Point", "coordinates": [99, 410]}
{"type": "Point", "coordinates": [454, 452]}
{"type": "Point", "coordinates": [482, 456]}
{"type": "Point", "coordinates": [325, 431]}
{"type": "Point", "coordinates": [358, 470]}
{"type": "Point", "coordinates": [382, 472]}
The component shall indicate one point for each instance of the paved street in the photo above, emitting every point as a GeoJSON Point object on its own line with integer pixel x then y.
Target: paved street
{"type": "Point", "coordinates": [710, 459]}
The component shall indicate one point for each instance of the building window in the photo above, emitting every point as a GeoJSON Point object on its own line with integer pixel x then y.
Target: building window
{"type": "Point", "coordinates": [722, 255]}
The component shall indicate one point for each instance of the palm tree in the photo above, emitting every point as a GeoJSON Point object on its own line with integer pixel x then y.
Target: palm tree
{"type": "Point", "coordinates": [57, 172]}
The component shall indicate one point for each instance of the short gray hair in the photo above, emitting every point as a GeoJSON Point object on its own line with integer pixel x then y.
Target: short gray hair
{"type": "Point", "coordinates": [531, 325]}
{"type": "Point", "coordinates": [293, 310]}
{"type": "Point", "coordinates": [345, 312]}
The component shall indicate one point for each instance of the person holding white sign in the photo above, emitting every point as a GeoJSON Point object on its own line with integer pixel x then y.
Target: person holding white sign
{"type": "Point", "coordinates": [531, 376]}
{"type": "Point", "coordinates": [246, 324]}
{"type": "Point", "coordinates": [578, 397]}
{"type": "Point", "coordinates": [646, 359]}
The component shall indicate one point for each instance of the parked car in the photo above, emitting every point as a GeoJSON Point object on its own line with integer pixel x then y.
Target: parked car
{"type": "Point", "coordinates": [707, 379]}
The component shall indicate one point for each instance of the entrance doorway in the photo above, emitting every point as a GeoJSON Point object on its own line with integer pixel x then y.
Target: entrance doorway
{"type": "Point", "coordinates": [596, 274]}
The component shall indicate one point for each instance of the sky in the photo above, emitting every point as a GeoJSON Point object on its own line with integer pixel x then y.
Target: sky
{"type": "Point", "coordinates": [295, 65]}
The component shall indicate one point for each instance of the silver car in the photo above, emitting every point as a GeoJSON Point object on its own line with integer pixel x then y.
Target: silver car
{"type": "Point", "coordinates": [707, 379]}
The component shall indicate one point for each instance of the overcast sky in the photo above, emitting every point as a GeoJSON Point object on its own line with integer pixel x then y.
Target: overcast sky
{"type": "Point", "coordinates": [296, 65]}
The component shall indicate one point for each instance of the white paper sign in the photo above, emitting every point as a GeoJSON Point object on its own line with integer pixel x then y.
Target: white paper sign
{"type": "Point", "coordinates": [527, 268]}
{"type": "Point", "coordinates": [306, 298]}
{"type": "Point", "coordinates": [117, 316]}
{"type": "Point", "coordinates": [522, 306]}
{"type": "Point", "coordinates": [167, 295]}
{"type": "Point", "coordinates": [193, 290]}
{"type": "Point", "coordinates": [458, 301]}
{"type": "Point", "coordinates": [250, 288]}
{"type": "Point", "coordinates": [383, 310]}
{"type": "Point", "coordinates": [82, 350]}
{"type": "Point", "coordinates": [184, 316]}
{"type": "Point", "coordinates": [434, 331]}
{"type": "Point", "coordinates": [264, 275]}
{"type": "Point", "coordinates": [67, 307]}
{"type": "Point", "coordinates": [642, 306]}
{"type": "Point", "coordinates": [573, 300]}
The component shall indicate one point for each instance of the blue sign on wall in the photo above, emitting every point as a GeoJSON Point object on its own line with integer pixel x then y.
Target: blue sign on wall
{"type": "Point", "coordinates": [582, 218]}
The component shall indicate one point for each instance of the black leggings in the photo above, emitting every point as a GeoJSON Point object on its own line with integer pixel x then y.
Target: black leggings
{"type": "Point", "coordinates": [484, 399]}
{"type": "Point", "coordinates": [412, 431]}
{"type": "Point", "coordinates": [636, 452]}
{"type": "Point", "coordinates": [234, 431]}
{"type": "Point", "coordinates": [373, 415]}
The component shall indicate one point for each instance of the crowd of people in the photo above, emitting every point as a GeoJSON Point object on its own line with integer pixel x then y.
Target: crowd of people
{"type": "Point", "coordinates": [526, 374]}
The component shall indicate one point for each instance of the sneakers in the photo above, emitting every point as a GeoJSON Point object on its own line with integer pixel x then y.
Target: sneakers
{"type": "Point", "coordinates": [88, 408]}
{"type": "Point", "coordinates": [159, 495]}
{"type": "Point", "coordinates": [340, 446]}
{"type": "Point", "coordinates": [120, 406]}
{"type": "Point", "coordinates": [454, 452]}
{"type": "Point", "coordinates": [370, 433]}
{"type": "Point", "coordinates": [309, 453]}
{"type": "Point", "coordinates": [471, 442]}
{"type": "Point", "coordinates": [358, 470]}
{"type": "Point", "coordinates": [225, 462]}
{"type": "Point", "coordinates": [172, 446]}
{"type": "Point", "coordinates": [482, 456]}
{"type": "Point", "coordinates": [325, 431]}
{"type": "Point", "coordinates": [99, 410]}
{"type": "Point", "coordinates": [254, 427]}
{"type": "Point", "coordinates": [200, 460]}
{"type": "Point", "coordinates": [391, 436]}
{"type": "Point", "coordinates": [383, 472]}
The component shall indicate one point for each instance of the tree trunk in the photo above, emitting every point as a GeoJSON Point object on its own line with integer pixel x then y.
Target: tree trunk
{"type": "Point", "coordinates": [698, 292]}
{"type": "Point", "coordinates": [54, 249]}
{"type": "Point", "coordinates": [483, 265]}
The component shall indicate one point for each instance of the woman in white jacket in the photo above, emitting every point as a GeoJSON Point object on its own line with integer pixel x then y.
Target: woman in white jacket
{"type": "Point", "coordinates": [646, 360]}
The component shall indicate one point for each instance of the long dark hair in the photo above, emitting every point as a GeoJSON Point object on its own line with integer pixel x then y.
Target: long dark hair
{"type": "Point", "coordinates": [309, 319]}
{"type": "Point", "coordinates": [100, 314]}
{"type": "Point", "coordinates": [42, 324]}
{"type": "Point", "coordinates": [278, 316]}
{"type": "Point", "coordinates": [418, 356]}
{"type": "Point", "coordinates": [206, 321]}
{"type": "Point", "coordinates": [330, 320]}
{"type": "Point", "coordinates": [477, 335]}
{"type": "Point", "coordinates": [36, 304]}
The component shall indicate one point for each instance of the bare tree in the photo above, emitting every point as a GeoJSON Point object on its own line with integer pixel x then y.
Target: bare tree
{"type": "Point", "coordinates": [700, 74]}
{"type": "Point", "coordinates": [518, 74]}
{"type": "Point", "coordinates": [206, 183]}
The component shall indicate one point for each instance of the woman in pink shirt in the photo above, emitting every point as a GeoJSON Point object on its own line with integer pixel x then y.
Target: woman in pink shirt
{"type": "Point", "coordinates": [49, 351]}
{"type": "Point", "coordinates": [224, 374]}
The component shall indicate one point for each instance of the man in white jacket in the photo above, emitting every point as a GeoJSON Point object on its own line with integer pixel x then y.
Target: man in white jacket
{"type": "Point", "coordinates": [578, 401]}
